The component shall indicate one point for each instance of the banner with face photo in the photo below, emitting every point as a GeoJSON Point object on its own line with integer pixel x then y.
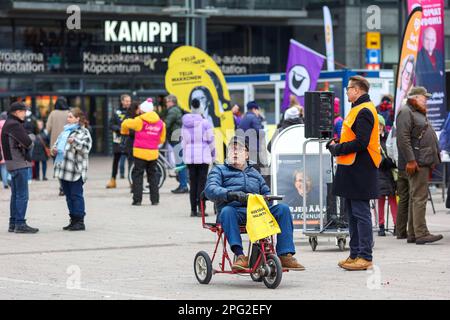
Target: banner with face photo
{"type": "Point", "coordinates": [290, 176]}
{"type": "Point", "coordinates": [189, 81]}
{"type": "Point", "coordinates": [408, 57]}
{"type": "Point", "coordinates": [193, 55]}
{"type": "Point", "coordinates": [430, 68]}
{"type": "Point", "coordinates": [221, 117]}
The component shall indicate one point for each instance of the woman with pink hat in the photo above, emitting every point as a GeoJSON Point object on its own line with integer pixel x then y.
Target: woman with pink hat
{"type": "Point", "coordinates": [338, 120]}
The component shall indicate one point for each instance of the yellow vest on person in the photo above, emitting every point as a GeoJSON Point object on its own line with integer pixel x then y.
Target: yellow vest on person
{"type": "Point", "coordinates": [348, 135]}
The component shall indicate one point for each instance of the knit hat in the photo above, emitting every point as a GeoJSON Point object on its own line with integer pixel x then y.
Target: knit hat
{"type": "Point", "coordinates": [252, 105]}
{"type": "Point", "coordinates": [195, 106]}
{"type": "Point", "coordinates": [337, 105]}
{"type": "Point", "coordinates": [147, 105]}
{"type": "Point", "coordinates": [291, 113]}
{"type": "Point", "coordinates": [381, 120]}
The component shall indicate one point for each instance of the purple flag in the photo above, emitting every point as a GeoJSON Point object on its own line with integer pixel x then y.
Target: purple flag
{"type": "Point", "coordinates": [302, 71]}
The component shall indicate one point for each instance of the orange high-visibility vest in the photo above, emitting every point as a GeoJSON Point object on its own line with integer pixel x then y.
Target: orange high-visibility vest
{"type": "Point", "coordinates": [348, 135]}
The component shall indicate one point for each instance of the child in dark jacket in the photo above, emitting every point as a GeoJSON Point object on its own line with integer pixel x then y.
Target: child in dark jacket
{"type": "Point", "coordinates": [387, 184]}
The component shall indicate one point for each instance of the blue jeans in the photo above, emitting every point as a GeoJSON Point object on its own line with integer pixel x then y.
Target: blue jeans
{"type": "Point", "coordinates": [38, 168]}
{"type": "Point", "coordinates": [123, 157]}
{"type": "Point", "coordinates": [232, 217]}
{"type": "Point", "coordinates": [5, 174]}
{"type": "Point", "coordinates": [360, 227]}
{"type": "Point", "coordinates": [19, 196]}
{"type": "Point", "coordinates": [73, 191]}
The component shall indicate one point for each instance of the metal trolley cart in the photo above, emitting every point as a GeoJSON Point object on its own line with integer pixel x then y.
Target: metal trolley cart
{"type": "Point", "coordinates": [335, 227]}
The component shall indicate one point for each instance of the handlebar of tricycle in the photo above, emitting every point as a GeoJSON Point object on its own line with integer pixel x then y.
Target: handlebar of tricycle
{"type": "Point", "coordinates": [272, 197]}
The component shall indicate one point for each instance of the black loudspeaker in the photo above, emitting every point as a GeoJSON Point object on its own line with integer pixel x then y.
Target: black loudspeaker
{"type": "Point", "coordinates": [319, 114]}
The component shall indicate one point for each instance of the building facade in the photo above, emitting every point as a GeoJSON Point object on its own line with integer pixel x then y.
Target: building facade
{"type": "Point", "coordinates": [122, 46]}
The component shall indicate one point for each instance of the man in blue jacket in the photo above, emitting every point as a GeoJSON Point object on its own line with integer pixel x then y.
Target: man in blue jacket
{"type": "Point", "coordinates": [228, 186]}
{"type": "Point", "coordinates": [252, 129]}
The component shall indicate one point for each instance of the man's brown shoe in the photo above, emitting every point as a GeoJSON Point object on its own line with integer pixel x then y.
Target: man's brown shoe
{"type": "Point", "coordinates": [289, 262]}
{"type": "Point", "coordinates": [429, 239]}
{"type": "Point", "coordinates": [348, 260]}
{"type": "Point", "coordinates": [358, 264]}
{"type": "Point", "coordinates": [111, 184]}
{"type": "Point", "coordinates": [411, 239]}
{"type": "Point", "coordinates": [241, 263]}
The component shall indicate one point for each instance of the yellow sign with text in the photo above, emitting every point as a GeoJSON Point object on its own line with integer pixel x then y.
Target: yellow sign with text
{"type": "Point", "coordinates": [192, 74]}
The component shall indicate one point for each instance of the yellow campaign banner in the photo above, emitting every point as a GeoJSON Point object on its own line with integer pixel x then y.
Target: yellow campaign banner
{"type": "Point", "coordinates": [188, 82]}
{"type": "Point", "coordinates": [408, 57]}
{"type": "Point", "coordinates": [193, 74]}
{"type": "Point", "coordinates": [193, 55]}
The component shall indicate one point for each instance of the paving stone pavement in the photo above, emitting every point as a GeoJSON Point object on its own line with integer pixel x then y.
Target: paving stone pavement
{"type": "Point", "coordinates": [147, 252]}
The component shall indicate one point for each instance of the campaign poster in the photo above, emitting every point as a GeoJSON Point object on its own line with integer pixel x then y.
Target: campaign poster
{"type": "Point", "coordinates": [430, 67]}
{"type": "Point", "coordinates": [290, 176]}
{"type": "Point", "coordinates": [408, 58]}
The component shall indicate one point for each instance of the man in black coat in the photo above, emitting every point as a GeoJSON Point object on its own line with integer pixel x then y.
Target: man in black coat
{"type": "Point", "coordinates": [16, 145]}
{"type": "Point", "coordinates": [357, 173]}
{"type": "Point", "coordinates": [115, 124]}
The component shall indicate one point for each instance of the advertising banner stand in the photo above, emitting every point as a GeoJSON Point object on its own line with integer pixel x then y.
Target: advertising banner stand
{"type": "Point", "coordinates": [302, 172]}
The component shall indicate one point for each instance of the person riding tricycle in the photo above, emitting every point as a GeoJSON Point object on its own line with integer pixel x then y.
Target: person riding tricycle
{"type": "Point", "coordinates": [228, 185]}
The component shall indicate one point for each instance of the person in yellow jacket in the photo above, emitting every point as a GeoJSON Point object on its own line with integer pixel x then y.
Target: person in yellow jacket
{"type": "Point", "coordinates": [150, 132]}
{"type": "Point", "coordinates": [358, 155]}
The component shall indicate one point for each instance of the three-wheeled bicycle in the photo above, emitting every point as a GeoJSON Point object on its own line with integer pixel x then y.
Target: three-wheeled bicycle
{"type": "Point", "coordinates": [264, 264]}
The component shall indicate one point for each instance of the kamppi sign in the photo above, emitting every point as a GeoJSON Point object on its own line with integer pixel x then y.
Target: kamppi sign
{"type": "Point", "coordinates": [141, 36]}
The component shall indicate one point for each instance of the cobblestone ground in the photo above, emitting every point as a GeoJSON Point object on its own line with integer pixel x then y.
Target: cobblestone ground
{"type": "Point", "coordinates": [147, 253]}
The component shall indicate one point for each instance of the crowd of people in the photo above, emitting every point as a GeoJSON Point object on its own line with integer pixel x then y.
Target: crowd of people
{"type": "Point", "coordinates": [371, 164]}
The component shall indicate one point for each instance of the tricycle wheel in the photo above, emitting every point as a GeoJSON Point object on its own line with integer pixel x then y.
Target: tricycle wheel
{"type": "Point", "coordinates": [256, 277]}
{"type": "Point", "coordinates": [203, 267]}
{"type": "Point", "coordinates": [341, 244]}
{"type": "Point", "coordinates": [273, 279]}
{"type": "Point", "coordinates": [313, 243]}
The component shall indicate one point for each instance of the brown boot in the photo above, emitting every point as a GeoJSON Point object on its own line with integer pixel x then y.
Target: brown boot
{"type": "Point", "coordinates": [241, 263]}
{"type": "Point", "coordinates": [348, 260]}
{"type": "Point", "coordinates": [357, 265]}
{"type": "Point", "coordinates": [289, 262]}
{"type": "Point", "coordinates": [111, 184]}
{"type": "Point", "coordinates": [411, 239]}
{"type": "Point", "coordinates": [429, 239]}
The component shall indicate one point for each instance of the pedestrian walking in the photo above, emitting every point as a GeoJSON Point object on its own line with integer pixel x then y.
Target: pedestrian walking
{"type": "Point", "coordinates": [386, 182]}
{"type": "Point", "coordinates": [16, 146]}
{"type": "Point", "coordinates": [115, 123]}
{"type": "Point", "coordinates": [173, 124]}
{"type": "Point", "coordinates": [358, 158]}
{"type": "Point", "coordinates": [71, 152]}
{"type": "Point", "coordinates": [418, 154]}
{"type": "Point", "coordinates": [41, 151]}
{"type": "Point", "coordinates": [150, 132]}
{"type": "Point", "coordinates": [198, 152]}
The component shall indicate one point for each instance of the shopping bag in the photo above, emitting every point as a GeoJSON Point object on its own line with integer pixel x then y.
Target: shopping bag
{"type": "Point", "coordinates": [260, 222]}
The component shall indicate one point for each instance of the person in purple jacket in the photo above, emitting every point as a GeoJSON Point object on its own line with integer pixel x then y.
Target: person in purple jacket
{"type": "Point", "coordinates": [198, 151]}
